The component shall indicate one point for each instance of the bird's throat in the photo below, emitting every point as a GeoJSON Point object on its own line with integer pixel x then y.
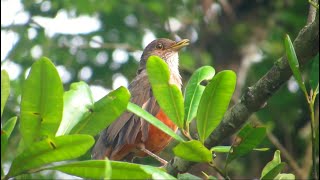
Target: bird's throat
{"type": "Point", "coordinates": [173, 64]}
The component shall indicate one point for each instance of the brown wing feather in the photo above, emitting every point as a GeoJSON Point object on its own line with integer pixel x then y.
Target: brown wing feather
{"type": "Point", "coordinates": [126, 128]}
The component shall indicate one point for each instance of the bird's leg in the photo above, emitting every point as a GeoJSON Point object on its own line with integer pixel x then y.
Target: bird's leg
{"type": "Point", "coordinates": [142, 148]}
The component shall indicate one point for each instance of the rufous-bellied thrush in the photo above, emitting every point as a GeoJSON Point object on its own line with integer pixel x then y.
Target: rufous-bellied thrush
{"type": "Point", "coordinates": [130, 135]}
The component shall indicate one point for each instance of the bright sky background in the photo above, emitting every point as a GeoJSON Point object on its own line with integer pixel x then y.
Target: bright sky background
{"type": "Point", "coordinates": [12, 13]}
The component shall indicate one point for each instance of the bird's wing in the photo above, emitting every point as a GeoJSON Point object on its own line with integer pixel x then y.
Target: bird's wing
{"type": "Point", "coordinates": [126, 128]}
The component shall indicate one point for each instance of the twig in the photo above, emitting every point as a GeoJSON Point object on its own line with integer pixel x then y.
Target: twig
{"type": "Point", "coordinates": [306, 45]}
{"type": "Point", "coordinates": [311, 100]}
{"type": "Point", "coordinates": [219, 171]}
{"type": "Point", "coordinates": [312, 11]}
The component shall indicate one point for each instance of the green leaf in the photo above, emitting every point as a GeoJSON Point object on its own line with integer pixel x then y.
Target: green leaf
{"type": "Point", "coordinates": [188, 176]}
{"type": "Point", "coordinates": [274, 172]}
{"type": "Point", "coordinates": [275, 161]}
{"type": "Point", "coordinates": [194, 91]}
{"type": "Point", "coordinates": [314, 76]}
{"type": "Point", "coordinates": [91, 169]}
{"type": "Point", "coordinates": [132, 171]}
{"type": "Point", "coordinates": [249, 138]}
{"type": "Point", "coordinates": [5, 89]}
{"type": "Point", "coordinates": [41, 102]}
{"type": "Point", "coordinates": [193, 151]}
{"type": "Point", "coordinates": [95, 169]}
{"type": "Point", "coordinates": [167, 95]}
{"type": "Point", "coordinates": [137, 110]}
{"type": "Point", "coordinates": [156, 173]}
{"type": "Point", "coordinates": [103, 113]}
{"type": "Point", "coordinates": [50, 150]}
{"type": "Point", "coordinates": [214, 102]}
{"type": "Point", "coordinates": [76, 103]}
{"type": "Point", "coordinates": [6, 132]}
{"type": "Point", "coordinates": [285, 177]}
{"type": "Point", "coordinates": [221, 149]}
{"type": "Point", "coordinates": [294, 63]}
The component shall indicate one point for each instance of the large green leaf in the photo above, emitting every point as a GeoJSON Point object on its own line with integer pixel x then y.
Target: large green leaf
{"type": "Point", "coordinates": [168, 95]}
{"type": "Point", "coordinates": [274, 172]}
{"type": "Point", "coordinates": [95, 169]}
{"type": "Point", "coordinates": [41, 102]}
{"type": "Point", "coordinates": [249, 138]}
{"type": "Point", "coordinates": [103, 112]}
{"type": "Point", "coordinates": [5, 88]}
{"type": "Point", "coordinates": [214, 102]}
{"type": "Point", "coordinates": [194, 91]}
{"type": "Point", "coordinates": [6, 132]}
{"type": "Point", "coordinates": [294, 63]}
{"type": "Point", "coordinates": [156, 173]}
{"type": "Point", "coordinates": [50, 150]}
{"type": "Point", "coordinates": [193, 151]}
{"type": "Point", "coordinates": [124, 170]}
{"type": "Point", "coordinates": [273, 168]}
{"type": "Point", "coordinates": [137, 110]}
{"type": "Point", "coordinates": [76, 103]}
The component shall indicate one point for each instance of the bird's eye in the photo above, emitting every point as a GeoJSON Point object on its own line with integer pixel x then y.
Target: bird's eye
{"type": "Point", "coordinates": [159, 46]}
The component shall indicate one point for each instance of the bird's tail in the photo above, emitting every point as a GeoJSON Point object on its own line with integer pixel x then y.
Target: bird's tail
{"type": "Point", "coordinates": [100, 150]}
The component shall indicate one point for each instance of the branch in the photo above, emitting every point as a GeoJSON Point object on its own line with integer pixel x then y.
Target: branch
{"type": "Point", "coordinates": [312, 10]}
{"type": "Point", "coordinates": [255, 97]}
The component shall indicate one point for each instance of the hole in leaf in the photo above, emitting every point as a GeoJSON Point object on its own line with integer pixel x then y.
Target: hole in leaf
{"type": "Point", "coordinates": [204, 82]}
{"type": "Point", "coordinates": [52, 145]}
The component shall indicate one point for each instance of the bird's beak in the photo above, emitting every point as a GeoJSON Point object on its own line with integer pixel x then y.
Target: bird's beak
{"type": "Point", "coordinates": [179, 45]}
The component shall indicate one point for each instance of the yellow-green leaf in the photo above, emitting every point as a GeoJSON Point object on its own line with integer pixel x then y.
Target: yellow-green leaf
{"type": "Point", "coordinates": [294, 63]}
{"type": "Point", "coordinates": [168, 96]}
{"type": "Point", "coordinates": [5, 88]}
{"type": "Point", "coordinates": [214, 102]}
{"type": "Point", "coordinates": [193, 151]}
{"type": "Point", "coordinates": [41, 102]}
{"type": "Point", "coordinates": [103, 112]}
{"type": "Point", "coordinates": [50, 150]}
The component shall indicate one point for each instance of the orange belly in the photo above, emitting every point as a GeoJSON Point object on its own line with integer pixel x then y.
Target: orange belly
{"type": "Point", "coordinates": [157, 139]}
{"type": "Point", "coordinates": [156, 142]}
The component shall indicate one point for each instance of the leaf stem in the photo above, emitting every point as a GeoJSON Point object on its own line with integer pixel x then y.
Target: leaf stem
{"type": "Point", "coordinates": [224, 175]}
{"type": "Point", "coordinates": [311, 100]}
{"type": "Point", "coordinates": [186, 133]}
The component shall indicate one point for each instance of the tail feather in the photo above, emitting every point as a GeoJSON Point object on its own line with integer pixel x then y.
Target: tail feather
{"type": "Point", "coordinates": [100, 150]}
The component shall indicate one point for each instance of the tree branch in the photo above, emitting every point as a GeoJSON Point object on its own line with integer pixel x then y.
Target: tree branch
{"type": "Point", "coordinates": [255, 97]}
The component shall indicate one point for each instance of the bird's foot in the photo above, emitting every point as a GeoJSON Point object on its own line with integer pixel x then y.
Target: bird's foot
{"type": "Point", "coordinates": [142, 148]}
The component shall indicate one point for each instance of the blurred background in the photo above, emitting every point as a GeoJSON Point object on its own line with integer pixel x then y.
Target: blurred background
{"type": "Point", "coordinates": [101, 41]}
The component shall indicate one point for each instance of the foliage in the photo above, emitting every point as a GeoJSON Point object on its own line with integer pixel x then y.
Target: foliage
{"type": "Point", "coordinates": [310, 98]}
{"type": "Point", "coordinates": [273, 168]}
{"type": "Point", "coordinates": [219, 33]}
{"type": "Point", "coordinates": [75, 137]}
{"type": "Point", "coordinates": [40, 151]}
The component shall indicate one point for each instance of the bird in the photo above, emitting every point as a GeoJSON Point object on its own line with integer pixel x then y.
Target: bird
{"type": "Point", "coordinates": [130, 136]}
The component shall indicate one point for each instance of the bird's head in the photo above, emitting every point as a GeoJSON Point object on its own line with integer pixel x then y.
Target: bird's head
{"type": "Point", "coordinates": [164, 48]}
